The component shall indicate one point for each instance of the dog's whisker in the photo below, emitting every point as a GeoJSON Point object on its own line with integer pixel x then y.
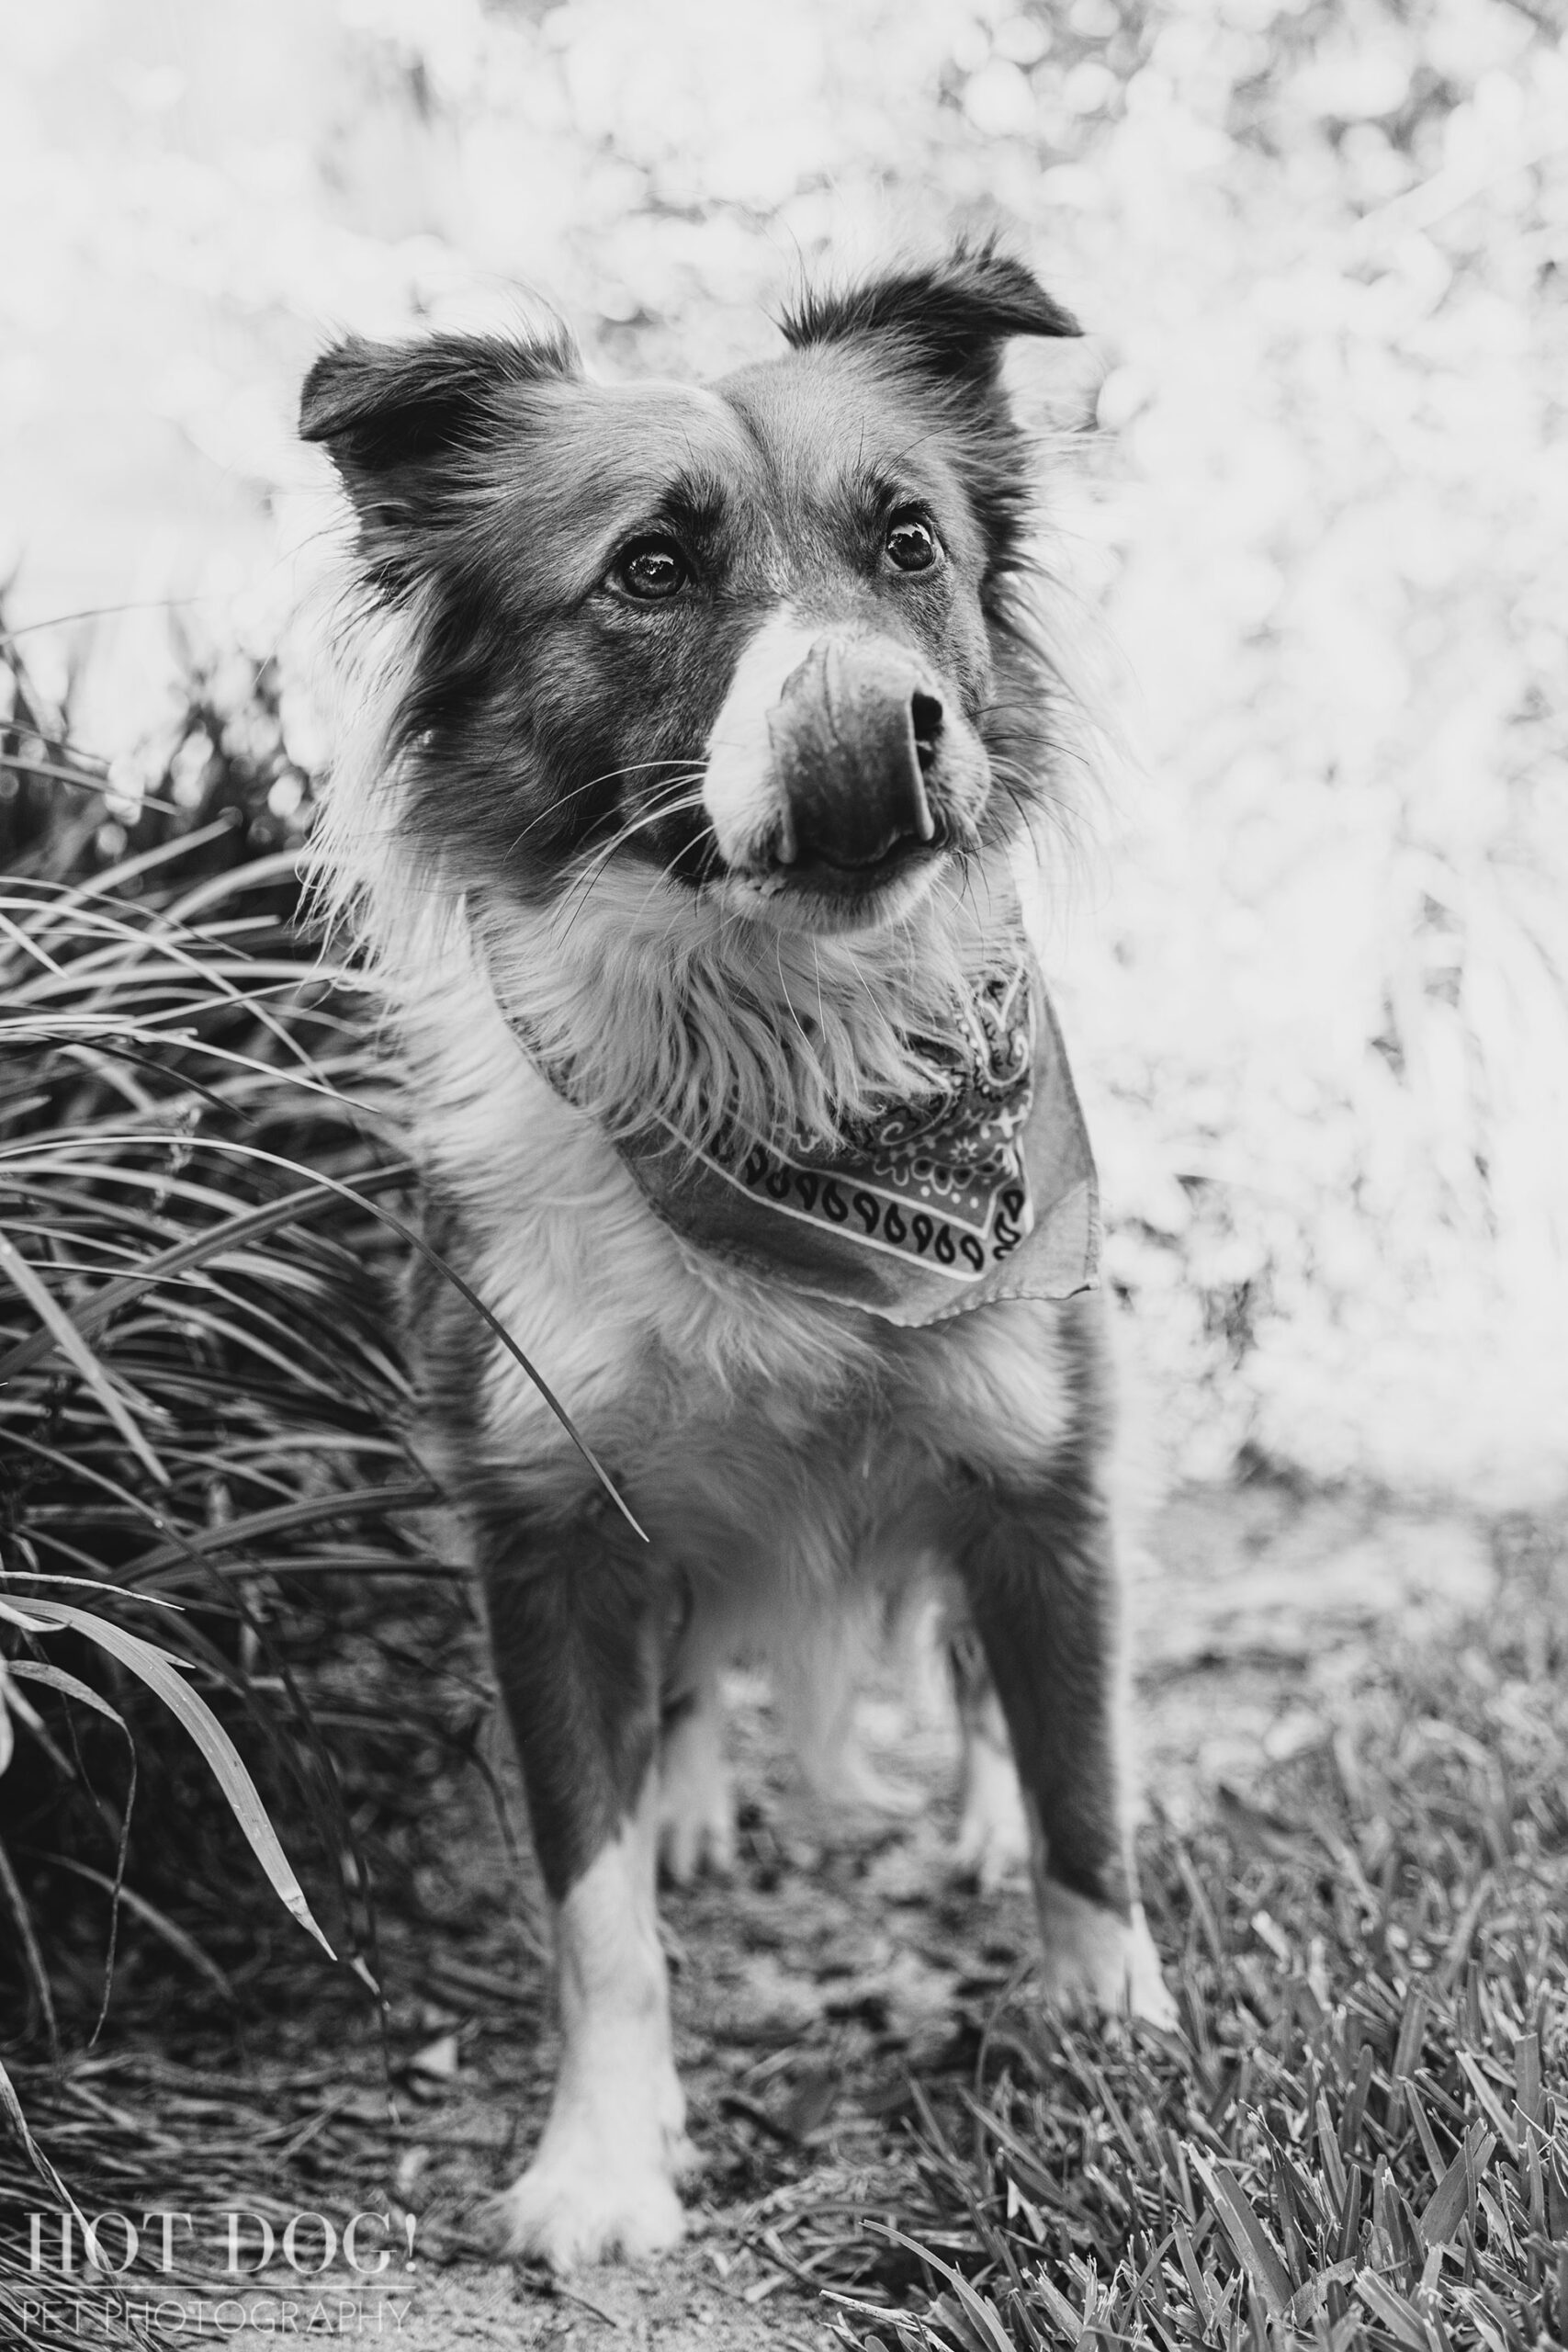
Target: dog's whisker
{"type": "Point", "coordinates": [789, 1001]}
{"type": "Point", "coordinates": [579, 889]}
{"type": "Point", "coordinates": [678, 794]}
{"type": "Point", "coordinates": [594, 784]}
{"type": "Point", "coordinates": [670, 807]}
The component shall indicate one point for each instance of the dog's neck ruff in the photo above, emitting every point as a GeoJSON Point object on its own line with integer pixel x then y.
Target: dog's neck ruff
{"type": "Point", "coordinates": [980, 1190]}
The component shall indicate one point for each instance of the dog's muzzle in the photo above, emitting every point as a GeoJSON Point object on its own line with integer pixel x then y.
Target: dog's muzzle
{"type": "Point", "coordinates": [838, 763]}
{"type": "Point", "coordinates": [853, 738]}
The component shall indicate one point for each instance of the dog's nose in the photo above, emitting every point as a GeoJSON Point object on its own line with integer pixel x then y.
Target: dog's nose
{"type": "Point", "coordinates": [925, 711]}
{"type": "Point", "coordinates": [854, 735]}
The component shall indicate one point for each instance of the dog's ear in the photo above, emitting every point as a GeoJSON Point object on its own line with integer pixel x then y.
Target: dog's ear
{"type": "Point", "coordinates": [948, 320]}
{"type": "Point", "coordinates": [409, 428]}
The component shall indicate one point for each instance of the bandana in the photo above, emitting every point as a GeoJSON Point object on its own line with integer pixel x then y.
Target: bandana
{"type": "Point", "coordinates": [981, 1188]}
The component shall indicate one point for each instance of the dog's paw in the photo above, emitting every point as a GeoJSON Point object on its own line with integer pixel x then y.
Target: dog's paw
{"type": "Point", "coordinates": [588, 2196]}
{"type": "Point", "coordinates": [1149, 1995]}
{"type": "Point", "coordinates": [993, 1832]}
{"type": "Point", "coordinates": [697, 1803]}
{"type": "Point", "coordinates": [1094, 1960]}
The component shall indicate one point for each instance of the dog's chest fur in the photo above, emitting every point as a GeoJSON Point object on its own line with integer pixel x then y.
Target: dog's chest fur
{"type": "Point", "coordinates": [734, 1409]}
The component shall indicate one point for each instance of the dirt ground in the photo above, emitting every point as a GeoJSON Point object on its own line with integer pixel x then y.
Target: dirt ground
{"type": "Point", "coordinates": [845, 1965]}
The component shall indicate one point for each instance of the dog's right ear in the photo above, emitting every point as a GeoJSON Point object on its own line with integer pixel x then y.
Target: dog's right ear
{"type": "Point", "coordinates": [412, 427]}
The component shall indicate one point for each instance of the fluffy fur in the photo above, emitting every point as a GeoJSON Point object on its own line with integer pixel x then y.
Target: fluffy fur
{"type": "Point", "coordinates": [615, 855]}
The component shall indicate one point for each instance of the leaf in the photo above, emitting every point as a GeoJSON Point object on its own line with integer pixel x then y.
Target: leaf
{"type": "Point", "coordinates": [11, 2108]}
{"type": "Point", "coordinates": [55, 1678]}
{"type": "Point", "coordinates": [11, 1703]}
{"type": "Point", "coordinates": [1398, 2315]}
{"type": "Point", "coordinates": [32, 1955]}
{"type": "Point", "coordinates": [1488, 2098]}
{"type": "Point", "coordinates": [1061, 2312]}
{"type": "Point", "coordinates": [189, 1951]}
{"type": "Point", "coordinates": [415, 1240]}
{"type": "Point", "coordinates": [247, 1225]}
{"type": "Point", "coordinates": [69, 1341]}
{"type": "Point", "coordinates": [1253, 2248]}
{"type": "Point", "coordinates": [981, 2316]}
{"type": "Point", "coordinates": [1449, 2200]}
{"type": "Point", "coordinates": [1196, 2285]}
{"type": "Point", "coordinates": [955, 2318]}
{"type": "Point", "coordinates": [348, 1503]}
{"type": "Point", "coordinates": [160, 1672]}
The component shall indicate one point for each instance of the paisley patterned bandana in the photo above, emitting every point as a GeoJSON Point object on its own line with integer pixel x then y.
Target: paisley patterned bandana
{"type": "Point", "coordinates": [982, 1189]}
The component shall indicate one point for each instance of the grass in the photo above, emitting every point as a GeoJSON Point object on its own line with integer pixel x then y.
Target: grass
{"type": "Point", "coordinates": [210, 1595]}
{"type": "Point", "coordinates": [1362, 2135]}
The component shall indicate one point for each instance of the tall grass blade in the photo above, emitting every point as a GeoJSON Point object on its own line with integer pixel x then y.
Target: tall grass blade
{"type": "Point", "coordinates": [1450, 2202]}
{"type": "Point", "coordinates": [415, 1240]}
{"type": "Point", "coordinates": [64, 1335]}
{"type": "Point", "coordinates": [1254, 2249]}
{"type": "Point", "coordinates": [160, 1672]}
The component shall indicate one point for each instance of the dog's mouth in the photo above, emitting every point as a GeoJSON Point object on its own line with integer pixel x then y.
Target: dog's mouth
{"type": "Point", "coordinates": [838, 890]}
{"type": "Point", "coordinates": [845, 876]}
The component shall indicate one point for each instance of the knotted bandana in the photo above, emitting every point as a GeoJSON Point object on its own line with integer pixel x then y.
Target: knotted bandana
{"type": "Point", "coordinates": [981, 1188]}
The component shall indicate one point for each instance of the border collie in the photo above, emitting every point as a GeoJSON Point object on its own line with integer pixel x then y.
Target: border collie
{"type": "Point", "coordinates": [693, 815]}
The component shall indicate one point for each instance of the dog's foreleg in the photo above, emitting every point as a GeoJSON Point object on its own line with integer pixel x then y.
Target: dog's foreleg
{"type": "Point", "coordinates": [577, 1624]}
{"type": "Point", "coordinates": [1040, 1571]}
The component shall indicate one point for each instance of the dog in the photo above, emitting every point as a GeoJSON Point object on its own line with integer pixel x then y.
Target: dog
{"type": "Point", "coordinates": [691, 815]}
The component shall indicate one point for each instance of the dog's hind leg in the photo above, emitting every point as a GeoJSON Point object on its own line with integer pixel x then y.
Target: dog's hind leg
{"type": "Point", "coordinates": [577, 1624]}
{"type": "Point", "coordinates": [993, 1834]}
{"type": "Point", "coordinates": [819, 1659]}
{"type": "Point", "coordinates": [1039, 1567]}
{"type": "Point", "coordinates": [697, 1802]}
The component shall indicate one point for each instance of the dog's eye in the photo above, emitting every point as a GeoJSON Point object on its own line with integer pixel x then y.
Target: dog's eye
{"type": "Point", "coordinates": [652, 569]}
{"type": "Point", "coordinates": [911, 543]}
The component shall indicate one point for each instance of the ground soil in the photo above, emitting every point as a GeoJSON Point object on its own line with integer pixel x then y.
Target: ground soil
{"type": "Point", "coordinates": [846, 1965]}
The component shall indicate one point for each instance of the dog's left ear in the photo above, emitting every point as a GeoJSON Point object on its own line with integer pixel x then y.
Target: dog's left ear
{"type": "Point", "coordinates": [949, 321]}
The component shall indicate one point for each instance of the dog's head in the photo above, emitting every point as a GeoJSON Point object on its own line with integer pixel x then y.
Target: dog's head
{"type": "Point", "coordinates": [759, 636]}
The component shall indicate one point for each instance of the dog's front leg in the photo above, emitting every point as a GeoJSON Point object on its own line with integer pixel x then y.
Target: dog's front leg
{"type": "Point", "coordinates": [577, 1621]}
{"type": "Point", "coordinates": [1040, 1571]}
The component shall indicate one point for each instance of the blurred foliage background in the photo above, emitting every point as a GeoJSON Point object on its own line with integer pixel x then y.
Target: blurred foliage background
{"type": "Point", "coordinates": [1315, 982]}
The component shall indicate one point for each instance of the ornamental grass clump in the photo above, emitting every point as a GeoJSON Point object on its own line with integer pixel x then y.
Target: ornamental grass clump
{"type": "Point", "coordinates": [206, 1558]}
